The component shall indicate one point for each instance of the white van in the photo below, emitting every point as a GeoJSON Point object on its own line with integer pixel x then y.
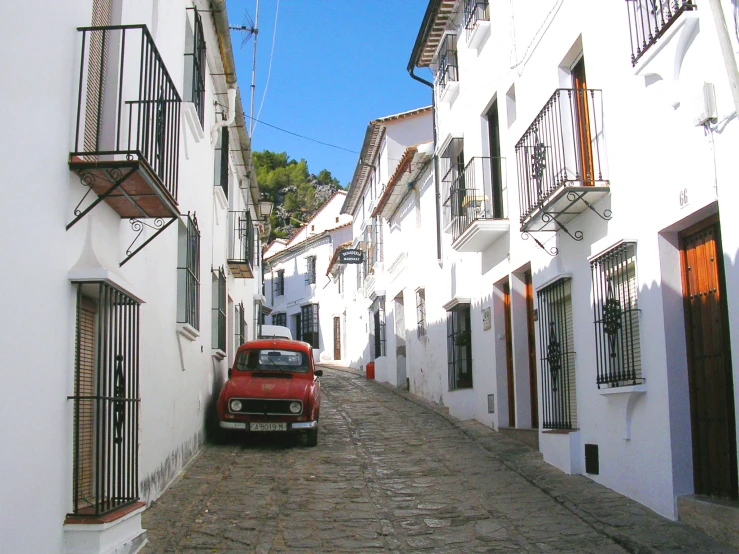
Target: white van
{"type": "Point", "coordinates": [275, 332]}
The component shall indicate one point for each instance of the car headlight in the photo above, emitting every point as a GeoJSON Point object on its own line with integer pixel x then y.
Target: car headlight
{"type": "Point", "coordinates": [295, 407]}
{"type": "Point", "coordinates": [235, 405]}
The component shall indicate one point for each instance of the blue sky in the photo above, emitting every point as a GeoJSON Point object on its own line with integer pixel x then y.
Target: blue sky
{"type": "Point", "coordinates": [337, 64]}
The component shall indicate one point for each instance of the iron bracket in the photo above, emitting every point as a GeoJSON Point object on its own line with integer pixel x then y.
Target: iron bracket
{"type": "Point", "coordinates": [138, 226]}
{"type": "Point", "coordinates": [88, 179]}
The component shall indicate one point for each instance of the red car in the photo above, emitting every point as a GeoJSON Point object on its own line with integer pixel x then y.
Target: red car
{"type": "Point", "coordinates": [273, 386]}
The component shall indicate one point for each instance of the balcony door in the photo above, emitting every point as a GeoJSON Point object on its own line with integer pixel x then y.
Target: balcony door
{"type": "Point", "coordinates": [509, 355]}
{"type": "Point", "coordinates": [337, 338]}
{"type": "Point", "coordinates": [712, 415]}
{"type": "Point", "coordinates": [533, 394]}
{"type": "Point", "coordinates": [582, 125]}
{"type": "Point", "coordinates": [495, 168]}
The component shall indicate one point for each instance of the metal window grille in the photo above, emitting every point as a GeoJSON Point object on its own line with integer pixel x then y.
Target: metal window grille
{"type": "Point", "coordinates": [279, 319]}
{"type": "Point", "coordinates": [616, 316]}
{"type": "Point", "coordinates": [378, 318]}
{"type": "Point", "coordinates": [377, 239]}
{"type": "Point", "coordinates": [106, 400]}
{"type": "Point", "coordinates": [222, 170]}
{"type": "Point", "coordinates": [310, 274]}
{"type": "Point", "coordinates": [459, 347]}
{"type": "Point", "coordinates": [421, 313]}
{"type": "Point", "coordinates": [240, 325]}
{"type": "Point", "coordinates": [650, 19]}
{"type": "Point", "coordinates": [474, 11]}
{"type": "Point", "coordinates": [218, 319]}
{"type": "Point", "coordinates": [309, 324]}
{"type": "Point", "coordinates": [195, 67]}
{"type": "Point", "coordinates": [242, 243]}
{"type": "Point", "coordinates": [451, 166]}
{"type": "Point", "coordinates": [361, 271]}
{"type": "Point", "coordinates": [280, 283]}
{"type": "Point", "coordinates": [140, 121]}
{"type": "Point", "coordinates": [258, 319]}
{"type": "Point", "coordinates": [557, 357]}
{"type": "Point", "coordinates": [447, 70]}
{"type": "Point", "coordinates": [188, 274]}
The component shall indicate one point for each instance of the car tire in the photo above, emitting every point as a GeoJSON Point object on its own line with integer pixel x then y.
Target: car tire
{"type": "Point", "coordinates": [312, 437]}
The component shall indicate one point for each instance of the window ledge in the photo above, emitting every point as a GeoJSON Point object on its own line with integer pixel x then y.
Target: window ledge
{"type": "Point", "coordinates": [188, 331]}
{"type": "Point", "coordinates": [120, 530]}
{"type": "Point", "coordinates": [623, 399]}
{"type": "Point", "coordinates": [217, 353]}
{"type": "Point", "coordinates": [220, 197]}
{"type": "Point", "coordinates": [193, 121]}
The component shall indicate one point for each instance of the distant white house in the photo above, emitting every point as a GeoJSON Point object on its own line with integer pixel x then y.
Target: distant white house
{"type": "Point", "coordinates": [299, 293]}
{"type": "Point", "coordinates": [130, 244]}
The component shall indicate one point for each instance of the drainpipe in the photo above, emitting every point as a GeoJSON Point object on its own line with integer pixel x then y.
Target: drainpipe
{"type": "Point", "coordinates": [228, 121]}
{"type": "Point", "coordinates": [411, 72]}
{"type": "Point", "coordinates": [726, 50]}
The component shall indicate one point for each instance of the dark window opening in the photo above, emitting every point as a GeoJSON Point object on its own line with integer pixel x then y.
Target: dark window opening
{"type": "Point", "coordinates": [309, 324]}
{"type": "Point", "coordinates": [459, 347]}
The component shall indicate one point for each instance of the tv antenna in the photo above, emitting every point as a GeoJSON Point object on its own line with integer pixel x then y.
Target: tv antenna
{"type": "Point", "coordinates": [250, 29]}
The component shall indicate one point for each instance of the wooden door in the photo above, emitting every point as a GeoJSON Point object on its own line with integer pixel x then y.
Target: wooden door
{"type": "Point", "coordinates": [533, 389]}
{"type": "Point", "coordinates": [712, 413]}
{"type": "Point", "coordinates": [509, 355]}
{"type": "Point", "coordinates": [337, 338]}
{"type": "Point", "coordinates": [582, 124]}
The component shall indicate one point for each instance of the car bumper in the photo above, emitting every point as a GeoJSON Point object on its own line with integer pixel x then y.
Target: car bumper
{"type": "Point", "coordinates": [244, 426]}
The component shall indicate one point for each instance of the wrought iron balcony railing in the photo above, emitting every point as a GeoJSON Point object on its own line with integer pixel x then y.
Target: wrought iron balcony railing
{"type": "Point", "coordinates": [563, 147]}
{"type": "Point", "coordinates": [476, 193]}
{"type": "Point", "coordinates": [447, 62]}
{"type": "Point", "coordinates": [474, 11]}
{"type": "Point", "coordinates": [128, 108]}
{"type": "Point", "coordinates": [650, 19]}
{"type": "Point", "coordinates": [241, 247]}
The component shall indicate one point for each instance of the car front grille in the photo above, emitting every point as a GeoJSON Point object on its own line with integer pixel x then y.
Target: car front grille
{"type": "Point", "coordinates": [263, 406]}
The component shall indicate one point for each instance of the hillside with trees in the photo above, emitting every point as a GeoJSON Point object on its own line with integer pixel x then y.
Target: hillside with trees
{"type": "Point", "coordinates": [295, 191]}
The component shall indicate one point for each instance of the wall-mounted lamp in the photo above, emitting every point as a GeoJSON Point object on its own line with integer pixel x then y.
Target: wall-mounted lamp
{"type": "Point", "coordinates": [265, 209]}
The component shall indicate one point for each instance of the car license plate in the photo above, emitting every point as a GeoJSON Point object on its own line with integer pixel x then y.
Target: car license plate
{"type": "Point", "coordinates": [268, 426]}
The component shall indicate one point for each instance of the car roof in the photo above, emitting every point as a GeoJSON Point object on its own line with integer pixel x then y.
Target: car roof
{"type": "Point", "coordinates": [281, 344]}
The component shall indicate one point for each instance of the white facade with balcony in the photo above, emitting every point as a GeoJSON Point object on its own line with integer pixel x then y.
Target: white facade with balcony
{"type": "Point", "coordinates": [571, 183]}
{"type": "Point", "coordinates": [125, 342]}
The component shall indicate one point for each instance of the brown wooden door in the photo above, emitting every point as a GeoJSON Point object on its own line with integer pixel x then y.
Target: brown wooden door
{"type": "Point", "coordinates": [533, 389]}
{"type": "Point", "coordinates": [509, 355]}
{"type": "Point", "coordinates": [337, 338]}
{"type": "Point", "coordinates": [709, 362]}
{"type": "Point", "coordinates": [582, 123]}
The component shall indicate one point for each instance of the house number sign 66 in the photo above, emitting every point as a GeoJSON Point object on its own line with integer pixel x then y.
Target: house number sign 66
{"type": "Point", "coordinates": [683, 197]}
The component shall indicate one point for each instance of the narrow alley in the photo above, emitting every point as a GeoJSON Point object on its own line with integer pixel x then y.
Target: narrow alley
{"type": "Point", "coordinates": [392, 473]}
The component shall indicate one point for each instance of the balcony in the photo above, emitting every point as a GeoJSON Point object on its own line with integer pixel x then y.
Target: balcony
{"type": "Point", "coordinates": [649, 20]}
{"type": "Point", "coordinates": [447, 73]}
{"type": "Point", "coordinates": [476, 22]}
{"type": "Point", "coordinates": [475, 209]}
{"type": "Point", "coordinates": [241, 245]}
{"type": "Point", "coordinates": [561, 162]}
{"type": "Point", "coordinates": [126, 147]}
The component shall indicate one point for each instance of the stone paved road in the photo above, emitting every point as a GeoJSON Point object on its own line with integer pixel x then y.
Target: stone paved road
{"type": "Point", "coordinates": [392, 473]}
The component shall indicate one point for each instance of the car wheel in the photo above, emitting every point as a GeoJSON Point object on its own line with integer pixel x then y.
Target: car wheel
{"type": "Point", "coordinates": [312, 437]}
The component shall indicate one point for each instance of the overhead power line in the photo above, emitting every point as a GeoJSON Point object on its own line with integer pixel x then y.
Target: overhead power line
{"type": "Point", "coordinates": [302, 136]}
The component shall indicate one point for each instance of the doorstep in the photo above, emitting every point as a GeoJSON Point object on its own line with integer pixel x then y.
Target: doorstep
{"type": "Point", "coordinates": [530, 437]}
{"type": "Point", "coordinates": [716, 517]}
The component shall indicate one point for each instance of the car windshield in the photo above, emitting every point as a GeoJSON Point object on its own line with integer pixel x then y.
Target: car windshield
{"type": "Point", "coordinates": [271, 360]}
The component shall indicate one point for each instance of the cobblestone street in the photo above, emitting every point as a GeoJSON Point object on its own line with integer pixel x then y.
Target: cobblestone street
{"type": "Point", "coordinates": [394, 474]}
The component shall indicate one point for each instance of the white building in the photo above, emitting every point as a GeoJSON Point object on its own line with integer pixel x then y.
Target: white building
{"type": "Point", "coordinates": [589, 278]}
{"type": "Point", "coordinates": [299, 293]}
{"type": "Point", "coordinates": [384, 152]}
{"type": "Point", "coordinates": [133, 160]}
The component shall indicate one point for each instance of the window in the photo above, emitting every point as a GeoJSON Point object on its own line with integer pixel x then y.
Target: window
{"type": "Point", "coordinates": [310, 273]}
{"type": "Point", "coordinates": [340, 281]}
{"type": "Point", "coordinates": [309, 324]}
{"type": "Point", "coordinates": [452, 168]}
{"type": "Point", "coordinates": [378, 318]}
{"type": "Point", "coordinates": [218, 311]}
{"type": "Point", "coordinates": [279, 319]}
{"type": "Point", "coordinates": [188, 273]}
{"type": "Point", "coordinates": [474, 11]}
{"type": "Point", "coordinates": [376, 241]}
{"type": "Point", "coordinates": [221, 169]}
{"type": "Point", "coordinates": [258, 319]}
{"type": "Point", "coordinates": [240, 325]}
{"type": "Point", "coordinates": [106, 400]}
{"type": "Point", "coordinates": [558, 359]}
{"type": "Point", "coordinates": [447, 61]}
{"type": "Point", "coordinates": [650, 19]}
{"type": "Point", "coordinates": [459, 347]}
{"type": "Point", "coordinates": [361, 271]}
{"type": "Point", "coordinates": [280, 283]}
{"type": "Point", "coordinates": [195, 63]}
{"type": "Point", "coordinates": [421, 313]}
{"type": "Point", "coordinates": [616, 317]}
